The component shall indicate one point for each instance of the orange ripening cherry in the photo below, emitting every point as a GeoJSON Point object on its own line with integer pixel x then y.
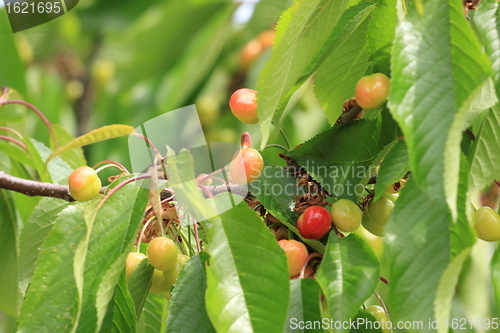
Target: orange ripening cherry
{"type": "Point", "coordinates": [372, 91]}
{"type": "Point", "coordinates": [243, 104]}
{"type": "Point", "coordinates": [315, 222]}
{"type": "Point", "coordinates": [84, 184]}
{"type": "Point", "coordinates": [296, 254]}
{"type": "Point", "coordinates": [246, 167]}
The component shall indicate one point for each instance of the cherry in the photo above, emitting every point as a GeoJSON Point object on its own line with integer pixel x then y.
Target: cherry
{"type": "Point", "coordinates": [379, 210]}
{"type": "Point", "coordinates": [246, 166]}
{"type": "Point", "coordinates": [133, 259]}
{"type": "Point", "coordinates": [162, 253]}
{"type": "Point", "coordinates": [379, 314]}
{"type": "Point", "coordinates": [158, 285]}
{"type": "Point", "coordinates": [84, 184]}
{"type": "Point", "coordinates": [487, 224]}
{"type": "Point", "coordinates": [172, 275]}
{"type": "Point", "coordinates": [243, 104]}
{"type": "Point", "coordinates": [346, 215]}
{"type": "Point", "coordinates": [372, 91]}
{"type": "Point", "coordinates": [371, 226]}
{"type": "Point", "coordinates": [296, 254]}
{"type": "Point", "coordinates": [315, 222]}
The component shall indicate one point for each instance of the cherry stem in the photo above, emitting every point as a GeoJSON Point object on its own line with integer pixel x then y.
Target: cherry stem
{"type": "Point", "coordinates": [275, 145]}
{"type": "Point", "coordinates": [383, 306]}
{"type": "Point", "coordinates": [207, 192]}
{"type": "Point", "coordinates": [17, 142]}
{"type": "Point", "coordinates": [274, 225]}
{"type": "Point", "coordinates": [8, 129]}
{"type": "Point", "coordinates": [196, 235]}
{"type": "Point", "coordinates": [142, 233]}
{"type": "Point", "coordinates": [497, 182]}
{"type": "Point", "coordinates": [148, 141]}
{"type": "Point", "coordinates": [118, 165]}
{"type": "Point", "coordinates": [286, 140]}
{"type": "Point", "coordinates": [201, 180]}
{"type": "Point", "coordinates": [304, 265]}
{"type": "Point", "coordinates": [39, 113]}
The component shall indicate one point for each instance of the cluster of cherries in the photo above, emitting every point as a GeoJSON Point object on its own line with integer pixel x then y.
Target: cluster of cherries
{"type": "Point", "coordinates": [166, 260]}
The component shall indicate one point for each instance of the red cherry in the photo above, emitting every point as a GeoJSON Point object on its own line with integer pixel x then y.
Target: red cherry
{"type": "Point", "coordinates": [315, 222]}
{"type": "Point", "coordinates": [243, 104]}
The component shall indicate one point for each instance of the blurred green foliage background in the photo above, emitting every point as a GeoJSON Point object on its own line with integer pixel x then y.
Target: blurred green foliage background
{"type": "Point", "coordinates": [110, 62]}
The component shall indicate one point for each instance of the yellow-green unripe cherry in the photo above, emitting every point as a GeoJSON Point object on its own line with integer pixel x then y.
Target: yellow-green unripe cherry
{"type": "Point", "coordinates": [172, 275]}
{"type": "Point", "coordinates": [487, 224]}
{"type": "Point", "coordinates": [133, 259]}
{"type": "Point", "coordinates": [379, 210]}
{"type": "Point", "coordinates": [379, 314]}
{"type": "Point", "coordinates": [84, 184]}
{"type": "Point", "coordinates": [346, 215]}
{"type": "Point", "coordinates": [162, 253]}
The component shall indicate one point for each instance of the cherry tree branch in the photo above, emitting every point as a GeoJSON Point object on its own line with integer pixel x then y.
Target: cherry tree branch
{"type": "Point", "coordinates": [35, 188]}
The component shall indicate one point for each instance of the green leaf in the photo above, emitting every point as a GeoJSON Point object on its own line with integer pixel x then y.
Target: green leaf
{"type": "Point", "coordinates": [276, 189]}
{"type": "Point", "coordinates": [121, 312]}
{"type": "Point", "coordinates": [12, 72]}
{"type": "Point", "coordinates": [187, 306]}
{"type": "Point", "coordinates": [304, 305]}
{"type": "Point", "coordinates": [345, 64]}
{"type": "Point", "coordinates": [461, 233]}
{"type": "Point", "coordinates": [16, 153]}
{"type": "Point", "coordinates": [437, 64]}
{"type": "Point", "coordinates": [348, 275]}
{"type": "Point", "coordinates": [53, 291]}
{"type": "Point", "coordinates": [484, 158]}
{"type": "Point", "coordinates": [33, 234]}
{"type": "Point", "coordinates": [495, 275]}
{"type": "Point", "coordinates": [446, 290]}
{"type": "Point", "coordinates": [113, 231]}
{"type": "Point", "coordinates": [418, 250]}
{"type": "Point", "coordinates": [247, 279]}
{"type": "Point", "coordinates": [73, 157]}
{"type": "Point", "coordinates": [97, 135]}
{"type": "Point", "coordinates": [139, 284]}
{"type": "Point", "coordinates": [487, 23]}
{"type": "Point", "coordinates": [153, 313]}
{"type": "Point", "coordinates": [381, 31]}
{"type": "Point", "coordinates": [301, 33]}
{"type": "Point", "coordinates": [341, 167]}
{"type": "Point", "coordinates": [56, 171]}
{"type": "Point", "coordinates": [9, 264]}
{"type": "Point", "coordinates": [395, 165]}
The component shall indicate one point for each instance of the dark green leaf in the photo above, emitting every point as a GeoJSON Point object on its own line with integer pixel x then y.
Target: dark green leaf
{"type": "Point", "coordinates": [395, 165]}
{"type": "Point", "coordinates": [381, 31]}
{"type": "Point", "coordinates": [368, 323]}
{"type": "Point", "coordinates": [153, 313]}
{"type": "Point", "coordinates": [53, 292]}
{"type": "Point", "coordinates": [247, 279]}
{"type": "Point", "coordinates": [113, 232]}
{"type": "Point", "coordinates": [73, 157]}
{"type": "Point", "coordinates": [187, 306]}
{"type": "Point", "coordinates": [9, 264]}
{"type": "Point", "coordinates": [348, 275]}
{"type": "Point", "coordinates": [418, 249]}
{"type": "Point", "coordinates": [495, 275]}
{"type": "Point", "coordinates": [33, 234]}
{"type": "Point", "coordinates": [12, 71]}
{"type": "Point", "coordinates": [301, 33]}
{"type": "Point", "coordinates": [304, 306]}
{"type": "Point", "coordinates": [345, 63]}
{"type": "Point", "coordinates": [139, 284]}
